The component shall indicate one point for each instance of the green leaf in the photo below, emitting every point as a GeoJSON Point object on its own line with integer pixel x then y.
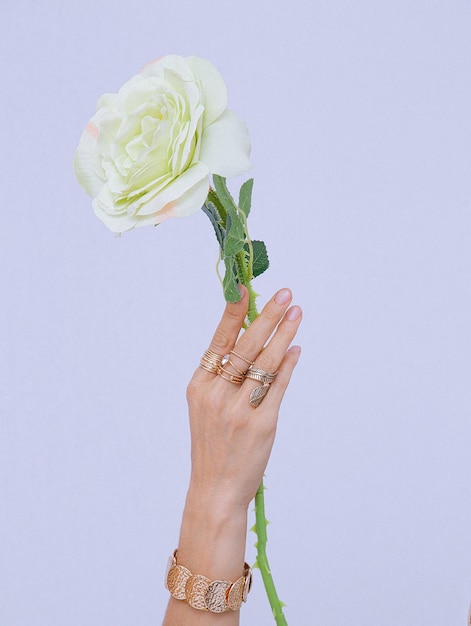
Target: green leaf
{"type": "Point", "coordinates": [260, 258]}
{"type": "Point", "coordinates": [235, 229]}
{"type": "Point", "coordinates": [229, 284]}
{"type": "Point", "coordinates": [216, 220]}
{"type": "Point", "coordinates": [235, 235]}
{"type": "Point", "coordinates": [213, 197]}
{"type": "Point", "coordinates": [223, 194]}
{"type": "Point", "coordinates": [245, 196]}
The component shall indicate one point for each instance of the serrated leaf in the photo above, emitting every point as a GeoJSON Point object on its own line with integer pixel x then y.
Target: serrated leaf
{"type": "Point", "coordinates": [245, 196]}
{"type": "Point", "coordinates": [235, 231]}
{"type": "Point", "coordinates": [215, 219]}
{"type": "Point", "coordinates": [214, 212]}
{"type": "Point", "coordinates": [229, 283]}
{"type": "Point", "coordinates": [213, 197]}
{"type": "Point", "coordinates": [224, 194]}
{"type": "Point", "coordinates": [235, 235]}
{"type": "Point", "coordinates": [260, 258]}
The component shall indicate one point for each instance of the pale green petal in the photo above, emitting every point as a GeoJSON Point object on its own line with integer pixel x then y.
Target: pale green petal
{"type": "Point", "coordinates": [187, 87]}
{"type": "Point", "coordinates": [212, 86]}
{"type": "Point", "coordinates": [187, 156]}
{"type": "Point", "coordinates": [173, 62]}
{"type": "Point", "coordinates": [187, 204]}
{"type": "Point", "coordinates": [225, 146]}
{"type": "Point", "coordinates": [106, 100]}
{"type": "Point", "coordinates": [106, 202]}
{"type": "Point", "coordinates": [85, 161]}
{"type": "Point", "coordinates": [177, 188]}
{"type": "Point", "coordinates": [139, 91]}
{"type": "Point", "coordinates": [184, 196]}
{"type": "Point", "coordinates": [116, 223]}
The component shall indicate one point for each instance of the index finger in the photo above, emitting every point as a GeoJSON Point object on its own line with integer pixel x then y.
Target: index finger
{"type": "Point", "coordinates": [229, 327]}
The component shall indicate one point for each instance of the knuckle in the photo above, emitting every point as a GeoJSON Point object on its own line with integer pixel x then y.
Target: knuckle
{"type": "Point", "coordinates": [271, 314]}
{"type": "Point", "coordinates": [220, 340]}
{"type": "Point", "coordinates": [233, 312]}
{"type": "Point", "coordinates": [214, 404]}
{"type": "Point", "coordinates": [268, 427]}
{"type": "Point", "coordinates": [264, 362]}
{"type": "Point", "coordinates": [247, 345]}
{"type": "Point", "coordinates": [191, 391]}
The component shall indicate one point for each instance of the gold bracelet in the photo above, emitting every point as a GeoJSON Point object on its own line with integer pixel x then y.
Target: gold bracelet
{"type": "Point", "coordinates": [199, 592]}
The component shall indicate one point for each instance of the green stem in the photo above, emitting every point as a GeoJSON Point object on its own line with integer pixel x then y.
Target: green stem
{"type": "Point", "coordinates": [260, 519]}
{"type": "Point", "coordinates": [244, 271]}
{"type": "Point", "coordinates": [262, 560]}
{"type": "Point", "coordinates": [244, 277]}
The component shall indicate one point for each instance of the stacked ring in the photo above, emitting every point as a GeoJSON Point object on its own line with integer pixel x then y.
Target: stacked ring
{"type": "Point", "coordinates": [236, 379]}
{"type": "Point", "coordinates": [226, 360]}
{"type": "Point", "coordinates": [211, 362]}
{"type": "Point", "coordinates": [215, 363]}
{"type": "Point", "coordinates": [243, 358]}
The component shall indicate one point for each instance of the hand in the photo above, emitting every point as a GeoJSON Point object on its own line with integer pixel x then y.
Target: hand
{"type": "Point", "coordinates": [231, 440]}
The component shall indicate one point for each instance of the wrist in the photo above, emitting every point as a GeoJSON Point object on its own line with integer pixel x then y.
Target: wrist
{"type": "Point", "coordinates": [212, 537]}
{"type": "Point", "coordinates": [219, 506]}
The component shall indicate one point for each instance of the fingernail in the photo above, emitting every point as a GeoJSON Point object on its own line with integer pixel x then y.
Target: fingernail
{"type": "Point", "coordinates": [294, 313]}
{"type": "Point", "coordinates": [283, 296]}
{"type": "Point", "coordinates": [295, 349]}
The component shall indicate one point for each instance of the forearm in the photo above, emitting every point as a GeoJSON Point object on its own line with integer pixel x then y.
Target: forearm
{"type": "Point", "coordinates": [212, 543]}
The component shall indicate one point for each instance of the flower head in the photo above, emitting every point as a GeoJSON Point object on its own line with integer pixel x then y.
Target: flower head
{"type": "Point", "coordinates": [147, 153]}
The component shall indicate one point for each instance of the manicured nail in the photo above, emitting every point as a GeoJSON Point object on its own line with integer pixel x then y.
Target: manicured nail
{"type": "Point", "coordinates": [295, 349]}
{"type": "Point", "coordinates": [294, 313]}
{"type": "Point", "coordinates": [283, 296]}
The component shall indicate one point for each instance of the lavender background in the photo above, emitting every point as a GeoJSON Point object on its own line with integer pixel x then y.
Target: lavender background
{"type": "Point", "coordinates": [360, 116]}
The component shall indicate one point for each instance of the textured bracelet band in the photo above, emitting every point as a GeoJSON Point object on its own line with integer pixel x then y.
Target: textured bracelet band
{"type": "Point", "coordinates": [201, 593]}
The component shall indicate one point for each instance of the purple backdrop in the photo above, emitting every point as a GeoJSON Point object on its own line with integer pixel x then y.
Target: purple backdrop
{"type": "Point", "coordinates": [360, 117]}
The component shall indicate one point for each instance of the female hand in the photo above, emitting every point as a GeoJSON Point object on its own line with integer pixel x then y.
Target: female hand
{"type": "Point", "coordinates": [231, 440]}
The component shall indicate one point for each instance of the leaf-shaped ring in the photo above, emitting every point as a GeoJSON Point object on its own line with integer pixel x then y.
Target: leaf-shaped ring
{"type": "Point", "coordinates": [264, 377]}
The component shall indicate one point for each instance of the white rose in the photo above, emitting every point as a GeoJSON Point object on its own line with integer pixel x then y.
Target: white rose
{"type": "Point", "coordinates": [147, 153]}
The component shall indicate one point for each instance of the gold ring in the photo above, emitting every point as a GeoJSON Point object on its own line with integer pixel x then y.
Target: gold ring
{"type": "Point", "coordinates": [255, 373]}
{"type": "Point", "coordinates": [240, 372]}
{"type": "Point", "coordinates": [241, 357]}
{"type": "Point", "coordinates": [211, 362]}
{"type": "Point", "coordinates": [236, 379]}
{"type": "Point", "coordinates": [258, 394]}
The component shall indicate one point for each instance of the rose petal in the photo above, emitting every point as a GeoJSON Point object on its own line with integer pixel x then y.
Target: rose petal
{"type": "Point", "coordinates": [212, 86]}
{"type": "Point", "coordinates": [173, 62]}
{"type": "Point", "coordinates": [188, 203]}
{"type": "Point", "coordinates": [225, 146]}
{"type": "Point", "coordinates": [85, 161]}
{"type": "Point", "coordinates": [116, 223]}
{"type": "Point", "coordinates": [185, 204]}
{"type": "Point", "coordinates": [176, 189]}
{"type": "Point", "coordinates": [189, 148]}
